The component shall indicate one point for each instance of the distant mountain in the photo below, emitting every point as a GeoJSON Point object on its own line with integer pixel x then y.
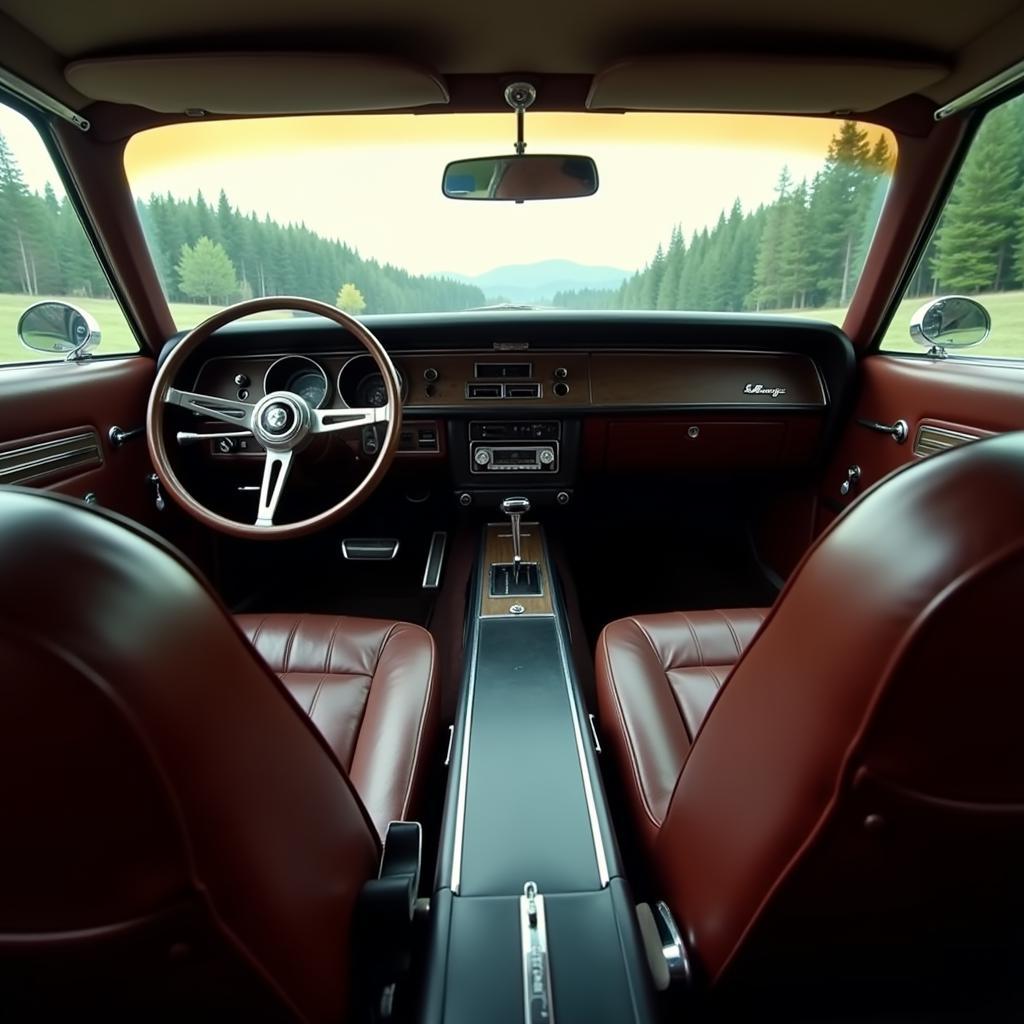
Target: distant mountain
{"type": "Point", "coordinates": [536, 283]}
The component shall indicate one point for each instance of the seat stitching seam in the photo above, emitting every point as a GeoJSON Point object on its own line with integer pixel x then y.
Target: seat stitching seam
{"type": "Point", "coordinates": [369, 690]}
{"type": "Point", "coordinates": [732, 632]}
{"type": "Point", "coordinates": [330, 646]}
{"type": "Point", "coordinates": [290, 641]}
{"type": "Point", "coordinates": [696, 642]}
{"type": "Point", "coordinates": [316, 695]}
{"type": "Point", "coordinates": [259, 629]}
{"type": "Point", "coordinates": [648, 810]}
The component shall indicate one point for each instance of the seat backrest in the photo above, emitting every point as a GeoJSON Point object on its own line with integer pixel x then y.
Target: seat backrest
{"type": "Point", "coordinates": [175, 830]}
{"type": "Point", "coordinates": [859, 783]}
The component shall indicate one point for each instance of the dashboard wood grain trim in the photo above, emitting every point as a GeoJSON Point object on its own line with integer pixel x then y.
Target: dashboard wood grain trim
{"type": "Point", "coordinates": [597, 381]}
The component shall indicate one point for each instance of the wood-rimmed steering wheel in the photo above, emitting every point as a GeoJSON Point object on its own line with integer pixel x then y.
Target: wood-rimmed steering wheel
{"type": "Point", "coordinates": [282, 422]}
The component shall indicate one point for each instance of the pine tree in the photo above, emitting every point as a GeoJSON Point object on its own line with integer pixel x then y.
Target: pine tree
{"type": "Point", "coordinates": [974, 241]}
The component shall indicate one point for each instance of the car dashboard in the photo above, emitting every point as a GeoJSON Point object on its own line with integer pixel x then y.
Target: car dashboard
{"type": "Point", "coordinates": [545, 400]}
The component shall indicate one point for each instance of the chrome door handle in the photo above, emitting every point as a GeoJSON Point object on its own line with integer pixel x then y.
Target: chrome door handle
{"type": "Point", "coordinates": [898, 431]}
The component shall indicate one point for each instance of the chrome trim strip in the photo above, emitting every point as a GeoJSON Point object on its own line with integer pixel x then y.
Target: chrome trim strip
{"type": "Point", "coordinates": [588, 785]}
{"type": "Point", "coordinates": [533, 932]}
{"type": "Point", "coordinates": [20, 464]}
{"type": "Point", "coordinates": [40, 99]}
{"type": "Point", "coordinates": [932, 440]}
{"type": "Point", "coordinates": [1004, 80]}
{"type": "Point", "coordinates": [460, 806]}
{"type": "Point", "coordinates": [435, 558]}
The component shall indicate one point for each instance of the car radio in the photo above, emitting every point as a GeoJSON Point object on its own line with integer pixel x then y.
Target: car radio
{"type": "Point", "coordinates": [514, 447]}
{"type": "Point", "coordinates": [529, 458]}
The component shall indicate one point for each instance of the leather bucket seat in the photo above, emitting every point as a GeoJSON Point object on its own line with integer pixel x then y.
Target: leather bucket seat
{"type": "Point", "coordinates": [851, 797]}
{"type": "Point", "coordinates": [179, 835]}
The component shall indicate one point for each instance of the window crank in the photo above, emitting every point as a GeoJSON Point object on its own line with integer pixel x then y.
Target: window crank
{"type": "Point", "coordinates": [851, 481]}
{"type": "Point", "coordinates": [158, 496]}
{"type": "Point", "coordinates": [898, 431]}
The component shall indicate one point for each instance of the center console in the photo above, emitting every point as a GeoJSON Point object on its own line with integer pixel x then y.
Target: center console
{"type": "Point", "coordinates": [532, 918]}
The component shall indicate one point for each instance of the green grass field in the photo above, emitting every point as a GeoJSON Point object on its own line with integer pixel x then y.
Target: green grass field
{"type": "Point", "coordinates": [1006, 309]}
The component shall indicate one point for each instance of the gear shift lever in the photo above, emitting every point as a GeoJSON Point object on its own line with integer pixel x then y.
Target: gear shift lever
{"type": "Point", "coordinates": [515, 509]}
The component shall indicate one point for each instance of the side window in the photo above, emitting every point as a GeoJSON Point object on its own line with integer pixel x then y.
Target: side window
{"type": "Point", "coordinates": [45, 254]}
{"type": "Point", "coordinates": [977, 248]}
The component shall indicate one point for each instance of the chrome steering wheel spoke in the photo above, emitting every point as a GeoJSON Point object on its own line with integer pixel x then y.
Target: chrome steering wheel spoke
{"type": "Point", "coordinates": [226, 409]}
{"type": "Point", "coordinates": [326, 421]}
{"type": "Point", "coordinates": [275, 473]}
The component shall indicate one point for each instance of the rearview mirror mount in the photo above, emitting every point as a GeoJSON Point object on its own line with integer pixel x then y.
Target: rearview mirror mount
{"type": "Point", "coordinates": [520, 178]}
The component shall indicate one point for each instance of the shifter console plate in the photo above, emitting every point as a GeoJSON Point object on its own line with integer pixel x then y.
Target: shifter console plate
{"type": "Point", "coordinates": [505, 583]}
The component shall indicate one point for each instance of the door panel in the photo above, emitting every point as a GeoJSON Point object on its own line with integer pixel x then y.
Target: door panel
{"type": "Point", "coordinates": [63, 412]}
{"type": "Point", "coordinates": [939, 399]}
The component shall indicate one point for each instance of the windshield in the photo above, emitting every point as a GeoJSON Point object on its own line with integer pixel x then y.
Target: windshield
{"type": "Point", "coordinates": [694, 212]}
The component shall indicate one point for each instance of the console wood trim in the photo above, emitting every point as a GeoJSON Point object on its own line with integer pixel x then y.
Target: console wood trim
{"type": "Point", "coordinates": [498, 549]}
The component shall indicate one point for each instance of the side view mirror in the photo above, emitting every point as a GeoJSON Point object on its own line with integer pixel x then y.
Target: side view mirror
{"type": "Point", "coordinates": [517, 179]}
{"type": "Point", "coordinates": [58, 327]}
{"type": "Point", "coordinates": [953, 321]}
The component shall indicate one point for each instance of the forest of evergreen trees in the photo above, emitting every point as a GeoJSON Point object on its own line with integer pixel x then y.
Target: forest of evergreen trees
{"type": "Point", "coordinates": [805, 249]}
{"type": "Point", "coordinates": [43, 251]}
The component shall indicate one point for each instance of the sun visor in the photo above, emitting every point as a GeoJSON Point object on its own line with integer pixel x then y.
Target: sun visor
{"type": "Point", "coordinates": [257, 83]}
{"type": "Point", "coordinates": [758, 84]}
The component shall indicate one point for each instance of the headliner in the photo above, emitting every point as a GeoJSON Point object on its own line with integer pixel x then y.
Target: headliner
{"type": "Point", "coordinates": [570, 37]}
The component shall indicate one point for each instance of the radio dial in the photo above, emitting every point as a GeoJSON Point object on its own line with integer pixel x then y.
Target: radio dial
{"type": "Point", "coordinates": [482, 456]}
{"type": "Point", "coordinates": [546, 456]}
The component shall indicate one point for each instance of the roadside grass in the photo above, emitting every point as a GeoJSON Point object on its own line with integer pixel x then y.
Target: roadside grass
{"type": "Point", "coordinates": [1006, 309]}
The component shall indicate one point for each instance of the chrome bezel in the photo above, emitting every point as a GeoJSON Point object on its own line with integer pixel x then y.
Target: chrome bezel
{"type": "Point", "coordinates": [305, 359]}
{"type": "Point", "coordinates": [403, 384]}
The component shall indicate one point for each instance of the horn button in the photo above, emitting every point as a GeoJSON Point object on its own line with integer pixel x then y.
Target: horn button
{"type": "Point", "coordinates": [281, 420]}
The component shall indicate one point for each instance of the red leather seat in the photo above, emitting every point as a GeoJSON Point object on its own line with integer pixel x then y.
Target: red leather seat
{"type": "Point", "coordinates": [854, 799]}
{"type": "Point", "coordinates": [369, 687]}
{"type": "Point", "coordinates": [660, 675]}
{"type": "Point", "coordinates": [179, 836]}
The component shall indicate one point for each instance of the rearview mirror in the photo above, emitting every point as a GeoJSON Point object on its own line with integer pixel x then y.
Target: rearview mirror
{"type": "Point", "coordinates": [58, 327]}
{"type": "Point", "coordinates": [953, 321]}
{"type": "Point", "coordinates": [517, 179]}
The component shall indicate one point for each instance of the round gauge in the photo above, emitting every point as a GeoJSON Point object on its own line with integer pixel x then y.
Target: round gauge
{"type": "Point", "coordinates": [361, 385]}
{"type": "Point", "coordinates": [371, 393]}
{"type": "Point", "coordinates": [301, 376]}
{"type": "Point", "coordinates": [310, 385]}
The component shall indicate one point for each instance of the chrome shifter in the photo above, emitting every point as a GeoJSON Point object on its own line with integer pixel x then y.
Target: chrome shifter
{"type": "Point", "coordinates": [515, 509]}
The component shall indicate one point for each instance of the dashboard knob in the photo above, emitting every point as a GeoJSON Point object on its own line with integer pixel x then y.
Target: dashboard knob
{"type": "Point", "coordinates": [430, 375]}
{"type": "Point", "coordinates": [226, 445]}
{"type": "Point", "coordinates": [561, 389]}
{"type": "Point", "coordinates": [241, 380]}
{"type": "Point", "coordinates": [561, 373]}
{"type": "Point", "coordinates": [546, 456]}
{"type": "Point", "coordinates": [482, 456]}
{"type": "Point", "coordinates": [465, 499]}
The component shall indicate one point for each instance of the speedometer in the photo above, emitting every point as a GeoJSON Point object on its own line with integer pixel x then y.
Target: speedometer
{"type": "Point", "coordinates": [299, 375]}
{"type": "Point", "coordinates": [310, 385]}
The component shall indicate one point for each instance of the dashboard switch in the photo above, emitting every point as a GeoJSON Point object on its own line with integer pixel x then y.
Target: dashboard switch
{"type": "Point", "coordinates": [430, 375]}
